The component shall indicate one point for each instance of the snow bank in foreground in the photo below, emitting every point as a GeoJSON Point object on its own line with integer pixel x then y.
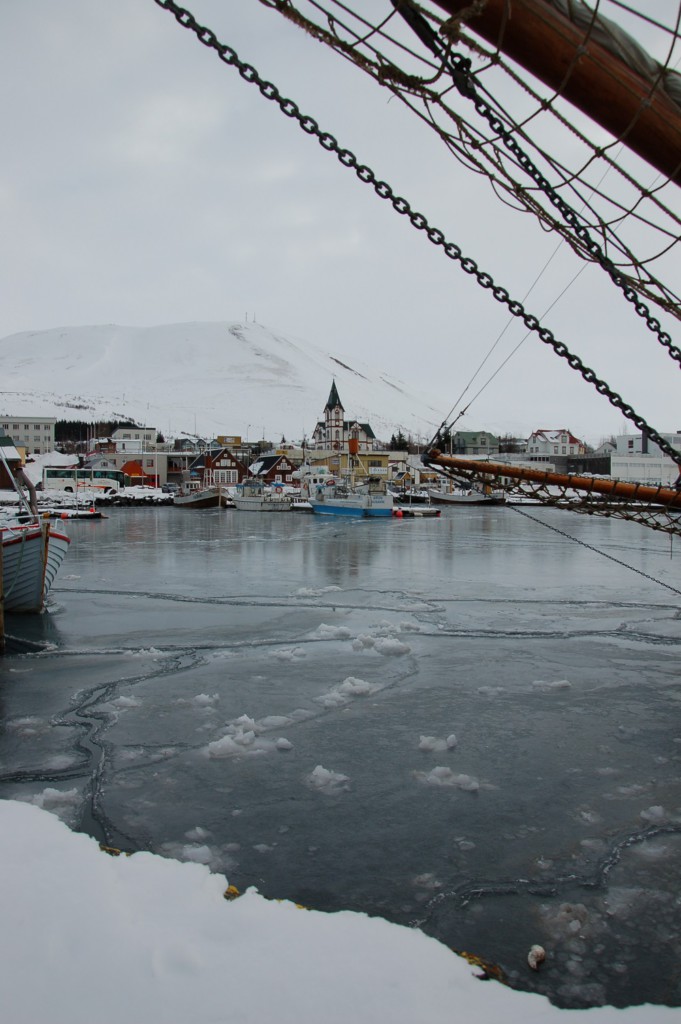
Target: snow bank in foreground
{"type": "Point", "coordinates": [85, 936]}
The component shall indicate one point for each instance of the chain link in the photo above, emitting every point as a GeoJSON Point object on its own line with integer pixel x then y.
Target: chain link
{"type": "Point", "coordinates": [459, 68]}
{"type": "Point", "coordinates": [418, 220]}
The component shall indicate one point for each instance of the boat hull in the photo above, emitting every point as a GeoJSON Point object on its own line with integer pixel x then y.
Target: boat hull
{"type": "Point", "coordinates": [210, 497]}
{"type": "Point", "coordinates": [355, 509]}
{"type": "Point", "coordinates": [245, 504]}
{"type": "Point", "coordinates": [461, 499]}
{"type": "Point", "coordinates": [31, 557]}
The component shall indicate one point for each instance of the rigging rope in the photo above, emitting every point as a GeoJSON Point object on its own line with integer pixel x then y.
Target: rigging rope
{"type": "Point", "coordinates": [379, 53]}
{"type": "Point", "coordinates": [653, 506]}
{"type": "Point", "coordinates": [459, 68]}
{"type": "Point", "coordinates": [583, 543]}
{"type": "Point", "coordinates": [401, 206]}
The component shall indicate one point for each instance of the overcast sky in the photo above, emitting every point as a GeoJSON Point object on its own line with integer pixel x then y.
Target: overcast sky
{"type": "Point", "coordinates": [143, 182]}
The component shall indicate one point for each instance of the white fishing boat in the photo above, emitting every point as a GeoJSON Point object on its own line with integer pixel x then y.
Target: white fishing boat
{"type": "Point", "coordinates": [31, 550]}
{"type": "Point", "coordinates": [253, 495]}
{"type": "Point", "coordinates": [31, 556]}
{"type": "Point", "coordinates": [202, 497]}
{"type": "Point", "coordinates": [461, 496]}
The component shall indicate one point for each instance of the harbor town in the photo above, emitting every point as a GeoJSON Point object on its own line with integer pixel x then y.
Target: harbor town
{"type": "Point", "coordinates": [136, 463]}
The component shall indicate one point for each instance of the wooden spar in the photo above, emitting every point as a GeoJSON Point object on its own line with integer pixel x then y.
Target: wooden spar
{"type": "Point", "coordinates": [667, 496]}
{"type": "Point", "coordinates": [550, 47]}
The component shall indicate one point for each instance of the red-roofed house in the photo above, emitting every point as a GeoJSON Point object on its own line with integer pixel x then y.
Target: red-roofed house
{"type": "Point", "coordinates": [547, 445]}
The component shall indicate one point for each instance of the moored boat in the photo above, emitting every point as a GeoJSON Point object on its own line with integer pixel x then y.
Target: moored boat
{"type": "Point", "coordinates": [470, 496]}
{"type": "Point", "coordinates": [202, 497]}
{"type": "Point", "coordinates": [31, 556]}
{"type": "Point", "coordinates": [331, 497]}
{"type": "Point", "coordinates": [253, 495]}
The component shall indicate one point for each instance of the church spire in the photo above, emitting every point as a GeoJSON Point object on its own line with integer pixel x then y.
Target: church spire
{"type": "Point", "coordinates": [334, 401]}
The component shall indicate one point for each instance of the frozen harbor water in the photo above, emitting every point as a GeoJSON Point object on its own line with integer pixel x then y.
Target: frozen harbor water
{"type": "Point", "coordinates": [467, 724]}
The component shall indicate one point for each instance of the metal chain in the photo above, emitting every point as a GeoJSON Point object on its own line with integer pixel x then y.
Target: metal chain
{"type": "Point", "coordinates": [459, 68]}
{"type": "Point", "coordinates": [418, 220]}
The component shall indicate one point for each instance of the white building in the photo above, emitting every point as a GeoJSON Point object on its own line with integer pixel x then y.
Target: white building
{"type": "Point", "coordinates": [135, 439]}
{"type": "Point", "coordinates": [636, 457]}
{"type": "Point", "coordinates": [544, 445]}
{"type": "Point", "coordinates": [34, 433]}
{"type": "Point", "coordinates": [639, 444]}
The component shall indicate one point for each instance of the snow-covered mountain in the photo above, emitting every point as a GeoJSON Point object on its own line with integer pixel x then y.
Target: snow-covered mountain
{"type": "Point", "coordinates": [201, 378]}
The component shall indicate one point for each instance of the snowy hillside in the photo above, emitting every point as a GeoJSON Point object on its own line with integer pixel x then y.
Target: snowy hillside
{"type": "Point", "coordinates": [203, 378]}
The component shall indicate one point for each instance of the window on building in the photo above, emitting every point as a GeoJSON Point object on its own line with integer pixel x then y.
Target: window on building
{"type": "Point", "coordinates": [26, 426]}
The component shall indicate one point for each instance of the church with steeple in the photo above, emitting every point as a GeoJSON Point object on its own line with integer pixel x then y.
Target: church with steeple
{"type": "Point", "coordinates": [334, 431]}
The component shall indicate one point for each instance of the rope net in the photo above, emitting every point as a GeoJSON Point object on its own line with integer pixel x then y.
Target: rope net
{"type": "Point", "coordinates": [656, 507]}
{"type": "Point", "coordinates": [630, 209]}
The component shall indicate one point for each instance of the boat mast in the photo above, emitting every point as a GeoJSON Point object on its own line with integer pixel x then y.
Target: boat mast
{"type": "Point", "coordinates": [29, 507]}
{"type": "Point", "coordinates": [551, 47]}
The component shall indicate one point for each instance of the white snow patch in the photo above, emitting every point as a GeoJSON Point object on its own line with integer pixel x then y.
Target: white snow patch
{"type": "Point", "coordinates": [443, 776]}
{"type": "Point", "coordinates": [655, 815]}
{"type": "Point", "coordinates": [289, 654]}
{"type": "Point", "coordinates": [390, 647]}
{"type": "Point", "coordinates": [205, 700]}
{"type": "Point", "coordinates": [363, 641]}
{"type": "Point", "coordinates": [326, 781]}
{"type": "Point", "coordinates": [121, 703]}
{"type": "Point", "coordinates": [435, 743]}
{"type": "Point", "coordinates": [346, 691]}
{"type": "Point", "coordinates": [243, 737]}
{"type": "Point", "coordinates": [197, 834]}
{"type": "Point", "coordinates": [333, 632]}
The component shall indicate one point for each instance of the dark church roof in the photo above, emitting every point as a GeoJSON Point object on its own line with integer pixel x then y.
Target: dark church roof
{"type": "Point", "coordinates": [334, 401]}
